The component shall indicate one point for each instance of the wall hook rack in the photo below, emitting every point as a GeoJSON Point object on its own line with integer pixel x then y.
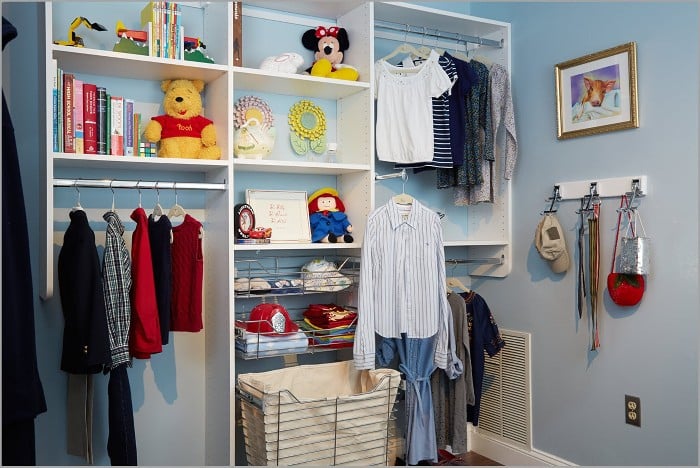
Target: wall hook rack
{"type": "Point", "coordinates": [604, 188]}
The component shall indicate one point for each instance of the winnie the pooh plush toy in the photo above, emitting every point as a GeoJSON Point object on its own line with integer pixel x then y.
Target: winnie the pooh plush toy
{"type": "Point", "coordinates": [183, 132]}
{"type": "Point", "coordinates": [327, 217]}
{"type": "Point", "coordinates": [328, 45]}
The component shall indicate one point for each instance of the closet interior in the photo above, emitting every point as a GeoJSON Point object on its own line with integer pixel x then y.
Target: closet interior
{"type": "Point", "coordinates": [299, 276]}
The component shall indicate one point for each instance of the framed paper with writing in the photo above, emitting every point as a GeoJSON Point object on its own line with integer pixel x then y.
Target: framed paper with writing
{"type": "Point", "coordinates": [285, 211]}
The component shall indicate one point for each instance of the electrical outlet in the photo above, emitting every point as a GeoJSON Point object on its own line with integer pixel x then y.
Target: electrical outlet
{"type": "Point", "coordinates": [633, 410]}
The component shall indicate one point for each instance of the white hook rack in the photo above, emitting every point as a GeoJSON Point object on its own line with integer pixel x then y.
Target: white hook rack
{"type": "Point", "coordinates": [612, 187]}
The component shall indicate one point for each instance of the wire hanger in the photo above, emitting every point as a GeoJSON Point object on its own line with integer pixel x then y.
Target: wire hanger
{"type": "Point", "coordinates": [403, 198]}
{"type": "Point", "coordinates": [176, 210]}
{"type": "Point", "coordinates": [138, 187]}
{"type": "Point", "coordinates": [157, 210]}
{"type": "Point", "coordinates": [78, 206]}
{"type": "Point", "coordinates": [455, 283]}
{"type": "Point", "coordinates": [423, 50]}
{"type": "Point", "coordinates": [112, 189]}
{"type": "Point", "coordinates": [457, 53]}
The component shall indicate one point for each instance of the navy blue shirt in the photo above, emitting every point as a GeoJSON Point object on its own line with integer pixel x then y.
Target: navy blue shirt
{"type": "Point", "coordinates": [483, 336]}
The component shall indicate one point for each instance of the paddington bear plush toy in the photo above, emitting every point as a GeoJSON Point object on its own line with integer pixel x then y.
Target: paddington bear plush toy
{"type": "Point", "coordinates": [329, 223]}
{"type": "Point", "coordinates": [328, 45]}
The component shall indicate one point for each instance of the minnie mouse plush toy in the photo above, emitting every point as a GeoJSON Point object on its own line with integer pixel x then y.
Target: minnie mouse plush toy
{"type": "Point", "coordinates": [328, 45]}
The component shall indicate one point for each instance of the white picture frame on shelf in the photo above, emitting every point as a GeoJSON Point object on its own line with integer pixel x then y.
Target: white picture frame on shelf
{"type": "Point", "coordinates": [286, 212]}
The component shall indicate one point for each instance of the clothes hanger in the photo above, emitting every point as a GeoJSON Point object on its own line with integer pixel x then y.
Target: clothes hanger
{"type": "Point", "coordinates": [176, 210]}
{"type": "Point", "coordinates": [404, 48]}
{"type": "Point", "coordinates": [459, 54]}
{"type": "Point", "coordinates": [78, 206]}
{"type": "Point", "coordinates": [157, 210]}
{"type": "Point", "coordinates": [112, 189]}
{"type": "Point", "coordinates": [403, 198]}
{"type": "Point", "coordinates": [139, 189]}
{"type": "Point", "coordinates": [454, 283]}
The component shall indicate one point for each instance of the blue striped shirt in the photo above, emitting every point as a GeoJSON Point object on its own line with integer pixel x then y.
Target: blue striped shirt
{"type": "Point", "coordinates": [402, 281]}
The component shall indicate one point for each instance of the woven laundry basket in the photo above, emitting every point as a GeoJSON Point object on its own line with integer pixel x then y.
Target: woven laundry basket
{"type": "Point", "coordinates": [321, 414]}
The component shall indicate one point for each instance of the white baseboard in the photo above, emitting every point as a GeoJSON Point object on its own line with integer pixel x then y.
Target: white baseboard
{"type": "Point", "coordinates": [510, 455]}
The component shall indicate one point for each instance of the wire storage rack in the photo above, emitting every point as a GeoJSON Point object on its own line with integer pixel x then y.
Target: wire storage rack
{"type": "Point", "coordinates": [320, 414]}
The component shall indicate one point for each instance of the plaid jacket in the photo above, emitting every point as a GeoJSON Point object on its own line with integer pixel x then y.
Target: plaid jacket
{"type": "Point", "coordinates": [116, 277]}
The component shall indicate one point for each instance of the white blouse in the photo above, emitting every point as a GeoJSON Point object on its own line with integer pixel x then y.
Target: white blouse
{"type": "Point", "coordinates": [404, 131]}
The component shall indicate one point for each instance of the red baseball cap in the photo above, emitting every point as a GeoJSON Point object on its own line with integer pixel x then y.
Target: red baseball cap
{"type": "Point", "coordinates": [272, 319]}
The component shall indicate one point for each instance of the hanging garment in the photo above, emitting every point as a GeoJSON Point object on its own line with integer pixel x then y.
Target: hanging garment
{"type": "Point", "coordinates": [442, 142]}
{"type": "Point", "coordinates": [478, 139]}
{"type": "Point", "coordinates": [86, 348]}
{"type": "Point", "coordinates": [159, 234]}
{"type": "Point", "coordinates": [121, 442]}
{"type": "Point", "coordinates": [116, 275]}
{"type": "Point", "coordinates": [145, 327]}
{"type": "Point", "coordinates": [404, 129]}
{"type": "Point", "coordinates": [116, 284]}
{"type": "Point", "coordinates": [483, 336]}
{"type": "Point", "coordinates": [188, 274]}
{"type": "Point", "coordinates": [416, 364]}
{"type": "Point", "coordinates": [451, 396]}
{"type": "Point", "coordinates": [402, 282]}
{"type": "Point", "coordinates": [22, 392]}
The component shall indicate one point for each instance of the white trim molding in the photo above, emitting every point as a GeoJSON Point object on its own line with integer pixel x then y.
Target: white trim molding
{"type": "Point", "coordinates": [511, 455]}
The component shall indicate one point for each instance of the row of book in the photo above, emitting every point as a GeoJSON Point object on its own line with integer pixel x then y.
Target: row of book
{"type": "Point", "coordinates": [165, 28]}
{"type": "Point", "coordinates": [89, 120]}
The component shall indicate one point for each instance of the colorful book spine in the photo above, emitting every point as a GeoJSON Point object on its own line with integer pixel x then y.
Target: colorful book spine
{"type": "Point", "coordinates": [108, 125]}
{"type": "Point", "coordinates": [59, 118]}
{"type": "Point", "coordinates": [90, 117]}
{"type": "Point", "coordinates": [137, 133]}
{"type": "Point", "coordinates": [68, 135]}
{"type": "Point", "coordinates": [117, 127]}
{"type": "Point", "coordinates": [54, 103]}
{"type": "Point", "coordinates": [128, 127]}
{"type": "Point", "coordinates": [101, 120]}
{"type": "Point", "coordinates": [78, 118]}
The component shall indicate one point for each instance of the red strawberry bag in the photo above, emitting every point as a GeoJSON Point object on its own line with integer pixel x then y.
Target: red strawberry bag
{"type": "Point", "coordinates": [625, 289]}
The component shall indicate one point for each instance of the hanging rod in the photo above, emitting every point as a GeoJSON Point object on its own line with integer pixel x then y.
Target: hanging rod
{"type": "Point", "coordinates": [488, 261]}
{"type": "Point", "coordinates": [403, 175]}
{"type": "Point", "coordinates": [432, 32]}
{"type": "Point", "coordinates": [137, 184]}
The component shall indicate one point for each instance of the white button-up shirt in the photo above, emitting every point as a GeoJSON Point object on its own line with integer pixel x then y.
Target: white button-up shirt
{"type": "Point", "coordinates": [402, 281]}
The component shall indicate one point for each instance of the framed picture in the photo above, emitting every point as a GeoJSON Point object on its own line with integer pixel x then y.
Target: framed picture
{"type": "Point", "coordinates": [597, 93]}
{"type": "Point", "coordinates": [285, 212]}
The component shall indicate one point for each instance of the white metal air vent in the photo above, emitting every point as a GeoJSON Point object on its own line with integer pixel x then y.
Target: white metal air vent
{"type": "Point", "coordinates": [505, 400]}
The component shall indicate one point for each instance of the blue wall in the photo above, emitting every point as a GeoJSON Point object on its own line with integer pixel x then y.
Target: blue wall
{"type": "Point", "coordinates": [650, 351]}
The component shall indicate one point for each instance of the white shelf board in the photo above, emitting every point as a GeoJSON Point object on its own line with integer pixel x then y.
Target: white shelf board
{"type": "Point", "coordinates": [328, 9]}
{"type": "Point", "coordinates": [94, 161]}
{"type": "Point", "coordinates": [290, 84]}
{"type": "Point", "coordinates": [132, 66]}
{"type": "Point", "coordinates": [473, 243]}
{"type": "Point", "coordinates": [310, 246]}
{"type": "Point", "coordinates": [297, 167]}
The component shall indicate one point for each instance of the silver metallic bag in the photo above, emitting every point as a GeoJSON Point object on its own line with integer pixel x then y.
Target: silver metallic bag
{"type": "Point", "coordinates": [635, 250]}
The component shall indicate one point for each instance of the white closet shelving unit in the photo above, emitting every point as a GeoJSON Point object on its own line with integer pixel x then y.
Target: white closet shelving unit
{"type": "Point", "coordinates": [487, 228]}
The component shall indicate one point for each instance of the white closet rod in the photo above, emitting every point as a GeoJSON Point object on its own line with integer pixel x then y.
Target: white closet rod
{"type": "Point", "coordinates": [137, 184]}
{"type": "Point", "coordinates": [431, 32]}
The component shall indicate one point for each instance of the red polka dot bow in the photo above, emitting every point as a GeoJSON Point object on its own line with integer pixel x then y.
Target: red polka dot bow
{"type": "Point", "coordinates": [323, 32]}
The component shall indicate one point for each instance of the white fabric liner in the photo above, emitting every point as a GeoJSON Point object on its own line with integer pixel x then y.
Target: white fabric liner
{"type": "Point", "coordinates": [321, 414]}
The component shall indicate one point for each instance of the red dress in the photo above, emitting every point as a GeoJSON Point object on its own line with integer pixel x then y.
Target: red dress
{"type": "Point", "coordinates": [144, 334]}
{"type": "Point", "coordinates": [188, 272]}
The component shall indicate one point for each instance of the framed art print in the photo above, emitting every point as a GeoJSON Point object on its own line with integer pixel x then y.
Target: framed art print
{"type": "Point", "coordinates": [597, 93]}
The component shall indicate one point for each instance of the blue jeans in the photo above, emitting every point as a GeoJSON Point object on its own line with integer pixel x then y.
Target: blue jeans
{"type": "Point", "coordinates": [416, 363]}
{"type": "Point", "coordinates": [121, 443]}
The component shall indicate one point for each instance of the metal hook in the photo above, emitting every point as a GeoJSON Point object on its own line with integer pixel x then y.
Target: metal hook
{"type": "Point", "coordinates": [404, 178]}
{"type": "Point", "coordinates": [75, 186]}
{"type": "Point", "coordinates": [175, 187]}
{"type": "Point", "coordinates": [556, 197]}
{"type": "Point", "coordinates": [157, 192]}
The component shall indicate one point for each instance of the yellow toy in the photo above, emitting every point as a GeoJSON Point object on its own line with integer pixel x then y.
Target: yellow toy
{"type": "Point", "coordinates": [183, 132]}
{"type": "Point", "coordinates": [73, 39]}
{"type": "Point", "coordinates": [328, 45]}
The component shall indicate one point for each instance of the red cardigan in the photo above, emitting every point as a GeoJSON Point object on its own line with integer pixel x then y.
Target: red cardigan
{"type": "Point", "coordinates": [144, 335]}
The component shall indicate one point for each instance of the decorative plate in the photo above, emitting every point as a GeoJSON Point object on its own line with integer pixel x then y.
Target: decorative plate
{"type": "Point", "coordinates": [255, 134]}
{"type": "Point", "coordinates": [307, 125]}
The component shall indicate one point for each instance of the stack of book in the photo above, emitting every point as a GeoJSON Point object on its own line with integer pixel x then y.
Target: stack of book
{"type": "Point", "coordinates": [87, 119]}
{"type": "Point", "coordinates": [165, 31]}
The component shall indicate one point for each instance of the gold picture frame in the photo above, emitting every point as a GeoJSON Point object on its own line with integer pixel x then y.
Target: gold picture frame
{"type": "Point", "coordinates": [597, 93]}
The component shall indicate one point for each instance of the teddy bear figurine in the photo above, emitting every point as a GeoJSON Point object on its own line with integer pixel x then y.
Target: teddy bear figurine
{"type": "Point", "coordinates": [182, 131]}
{"type": "Point", "coordinates": [328, 45]}
{"type": "Point", "coordinates": [327, 217]}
